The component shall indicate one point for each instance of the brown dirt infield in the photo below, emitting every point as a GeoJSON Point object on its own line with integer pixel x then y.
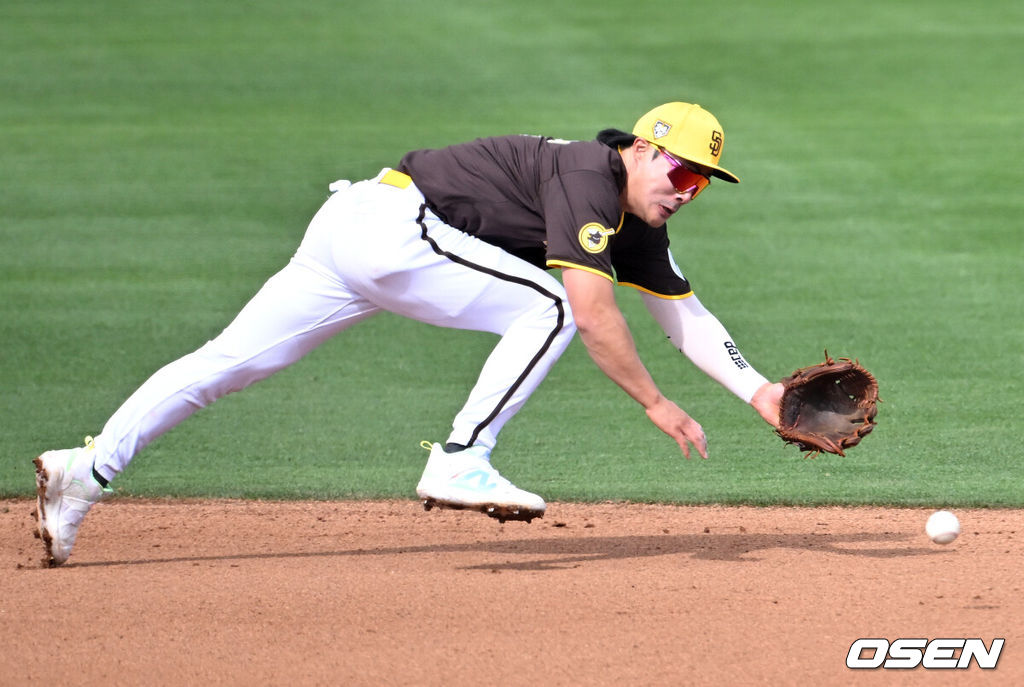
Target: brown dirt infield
{"type": "Point", "coordinates": [375, 593]}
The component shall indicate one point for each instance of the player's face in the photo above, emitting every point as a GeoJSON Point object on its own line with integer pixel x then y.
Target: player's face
{"type": "Point", "coordinates": [659, 184]}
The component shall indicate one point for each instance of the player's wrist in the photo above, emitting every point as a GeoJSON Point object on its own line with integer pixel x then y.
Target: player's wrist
{"type": "Point", "coordinates": [766, 401]}
{"type": "Point", "coordinates": [654, 401]}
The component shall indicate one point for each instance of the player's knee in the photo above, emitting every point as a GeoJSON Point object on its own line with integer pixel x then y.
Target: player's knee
{"type": "Point", "coordinates": [568, 328]}
{"type": "Point", "coordinates": [557, 318]}
{"type": "Point", "coordinates": [223, 369]}
{"type": "Point", "coordinates": [547, 315]}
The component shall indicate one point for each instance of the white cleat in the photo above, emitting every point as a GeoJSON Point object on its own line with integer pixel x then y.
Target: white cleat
{"type": "Point", "coordinates": [65, 491]}
{"type": "Point", "coordinates": [466, 480]}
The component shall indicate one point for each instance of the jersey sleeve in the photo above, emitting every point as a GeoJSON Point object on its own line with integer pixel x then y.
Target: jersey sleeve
{"type": "Point", "coordinates": [582, 216]}
{"type": "Point", "coordinates": [642, 259]}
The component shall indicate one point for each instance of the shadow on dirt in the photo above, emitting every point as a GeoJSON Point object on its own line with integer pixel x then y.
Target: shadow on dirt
{"type": "Point", "coordinates": [741, 548]}
{"type": "Point", "coordinates": [571, 552]}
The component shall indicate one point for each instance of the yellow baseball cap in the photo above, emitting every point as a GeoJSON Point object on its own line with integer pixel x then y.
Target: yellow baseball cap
{"type": "Point", "coordinates": [687, 131]}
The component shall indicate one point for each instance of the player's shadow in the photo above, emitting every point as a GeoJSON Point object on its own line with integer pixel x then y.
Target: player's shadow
{"type": "Point", "coordinates": [554, 553]}
{"type": "Point", "coordinates": [731, 547]}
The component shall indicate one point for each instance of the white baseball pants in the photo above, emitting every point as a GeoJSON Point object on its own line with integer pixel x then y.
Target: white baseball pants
{"type": "Point", "coordinates": [372, 246]}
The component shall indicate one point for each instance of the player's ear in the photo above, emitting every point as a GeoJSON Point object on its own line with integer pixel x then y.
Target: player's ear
{"type": "Point", "coordinates": [644, 149]}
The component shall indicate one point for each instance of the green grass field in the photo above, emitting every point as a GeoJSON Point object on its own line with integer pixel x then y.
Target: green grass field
{"type": "Point", "coordinates": [161, 160]}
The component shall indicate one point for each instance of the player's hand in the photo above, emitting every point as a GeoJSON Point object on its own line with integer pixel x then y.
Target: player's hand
{"type": "Point", "coordinates": [766, 402]}
{"type": "Point", "coordinates": [673, 421]}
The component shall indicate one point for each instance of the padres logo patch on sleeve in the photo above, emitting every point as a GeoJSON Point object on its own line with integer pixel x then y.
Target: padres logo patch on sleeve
{"type": "Point", "coordinates": [594, 237]}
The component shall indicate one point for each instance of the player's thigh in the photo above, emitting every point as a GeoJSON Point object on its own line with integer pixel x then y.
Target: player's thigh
{"type": "Point", "coordinates": [448, 278]}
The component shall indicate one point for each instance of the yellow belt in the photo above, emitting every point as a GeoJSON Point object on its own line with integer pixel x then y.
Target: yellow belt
{"type": "Point", "coordinates": [393, 177]}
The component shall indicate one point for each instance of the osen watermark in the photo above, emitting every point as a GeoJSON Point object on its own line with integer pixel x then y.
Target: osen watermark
{"type": "Point", "coordinates": [933, 654]}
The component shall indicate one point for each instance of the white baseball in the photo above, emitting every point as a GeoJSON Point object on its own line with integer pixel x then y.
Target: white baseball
{"type": "Point", "coordinates": [942, 527]}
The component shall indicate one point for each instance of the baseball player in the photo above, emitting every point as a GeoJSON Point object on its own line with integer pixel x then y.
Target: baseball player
{"type": "Point", "coordinates": [463, 237]}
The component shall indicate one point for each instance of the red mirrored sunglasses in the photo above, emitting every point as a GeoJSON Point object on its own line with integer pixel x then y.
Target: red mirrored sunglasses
{"type": "Point", "coordinates": [683, 176]}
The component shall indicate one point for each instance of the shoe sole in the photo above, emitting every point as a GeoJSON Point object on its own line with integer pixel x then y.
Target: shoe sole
{"type": "Point", "coordinates": [42, 481]}
{"type": "Point", "coordinates": [499, 512]}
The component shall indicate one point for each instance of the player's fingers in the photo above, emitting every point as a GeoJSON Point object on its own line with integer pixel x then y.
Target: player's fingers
{"type": "Point", "coordinates": [694, 438]}
{"type": "Point", "coordinates": [699, 440]}
{"type": "Point", "coordinates": [671, 419]}
{"type": "Point", "coordinates": [702, 446]}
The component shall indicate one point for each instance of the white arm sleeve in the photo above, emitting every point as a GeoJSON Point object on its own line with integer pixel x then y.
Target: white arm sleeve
{"type": "Point", "coordinates": [701, 337]}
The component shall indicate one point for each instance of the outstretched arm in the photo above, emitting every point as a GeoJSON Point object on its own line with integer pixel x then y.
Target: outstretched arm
{"type": "Point", "coordinates": [606, 335]}
{"type": "Point", "coordinates": [695, 331]}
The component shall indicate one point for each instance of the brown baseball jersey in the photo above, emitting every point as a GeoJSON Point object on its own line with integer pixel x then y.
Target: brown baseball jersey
{"type": "Point", "coordinates": [551, 202]}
